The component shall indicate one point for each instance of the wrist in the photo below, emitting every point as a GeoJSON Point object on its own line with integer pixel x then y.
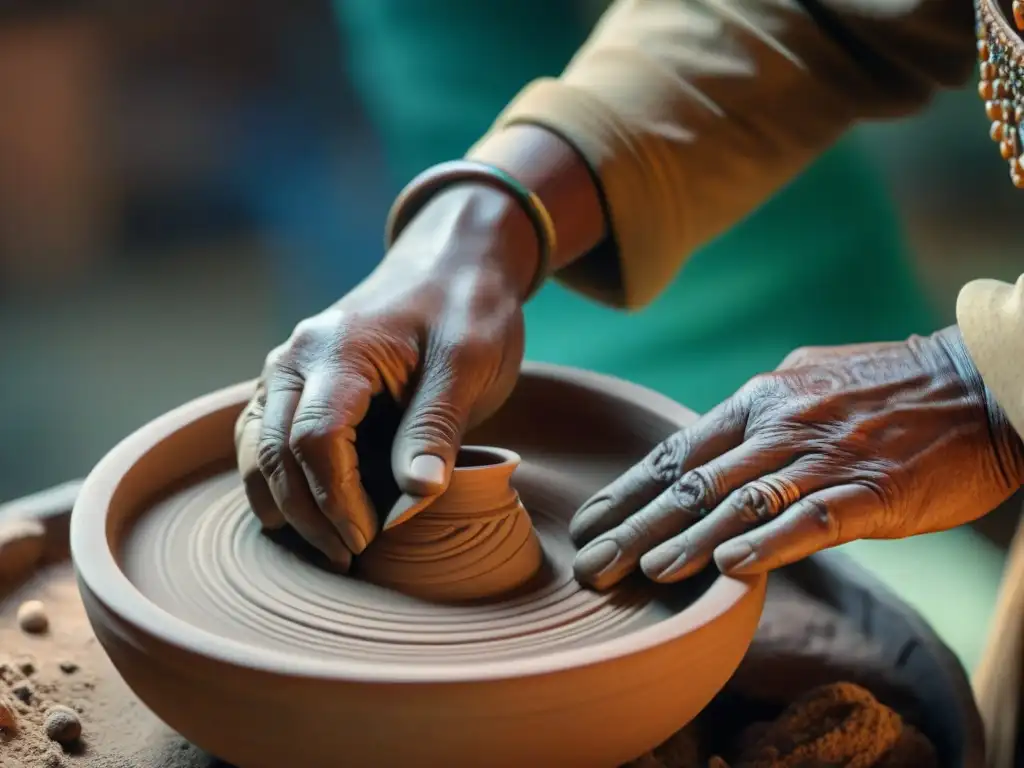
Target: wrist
{"type": "Point", "coordinates": [557, 173]}
{"type": "Point", "coordinates": [472, 225]}
{"type": "Point", "coordinates": [1006, 443]}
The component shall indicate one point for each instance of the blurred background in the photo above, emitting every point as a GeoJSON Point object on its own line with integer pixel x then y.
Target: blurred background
{"type": "Point", "coordinates": [181, 182]}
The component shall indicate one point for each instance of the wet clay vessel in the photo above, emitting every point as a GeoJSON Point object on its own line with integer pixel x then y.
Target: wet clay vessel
{"type": "Point", "coordinates": [265, 659]}
{"type": "Point", "coordinates": [475, 541]}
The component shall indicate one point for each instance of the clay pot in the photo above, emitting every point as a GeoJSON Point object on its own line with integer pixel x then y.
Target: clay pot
{"type": "Point", "coordinates": [475, 541]}
{"type": "Point", "coordinates": [267, 661]}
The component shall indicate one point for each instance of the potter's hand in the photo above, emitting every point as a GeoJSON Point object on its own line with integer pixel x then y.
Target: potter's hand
{"type": "Point", "coordinates": [437, 327]}
{"type": "Point", "coordinates": [840, 443]}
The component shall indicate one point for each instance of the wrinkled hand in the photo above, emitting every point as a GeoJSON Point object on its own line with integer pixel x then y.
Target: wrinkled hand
{"type": "Point", "coordinates": [436, 329]}
{"type": "Point", "coordinates": [872, 441]}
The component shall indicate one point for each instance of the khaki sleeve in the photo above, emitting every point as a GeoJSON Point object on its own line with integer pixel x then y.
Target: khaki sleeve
{"type": "Point", "coordinates": [990, 314]}
{"type": "Point", "coordinates": [693, 112]}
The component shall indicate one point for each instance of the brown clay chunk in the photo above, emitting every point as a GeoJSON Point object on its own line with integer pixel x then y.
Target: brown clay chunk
{"type": "Point", "coordinates": [23, 691]}
{"type": "Point", "coordinates": [62, 725]}
{"type": "Point", "coordinates": [681, 750]}
{"type": "Point", "coordinates": [22, 543]}
{"type": "Point", "coordinates": [8, 719]}
{"type": "Point", "coordinates": [840, 725]}
{"type": "Point", "coordinates": [32, 617]}
{"type": "Point", "coordinates": [913, 750]}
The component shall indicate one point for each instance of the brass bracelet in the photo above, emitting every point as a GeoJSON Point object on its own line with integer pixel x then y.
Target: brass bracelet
{"type": "Point", "coordinates": [433, 180]}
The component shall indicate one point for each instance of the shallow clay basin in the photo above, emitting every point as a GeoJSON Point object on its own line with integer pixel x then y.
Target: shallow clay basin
{"type": "Point", "coordinates": [268, 661]}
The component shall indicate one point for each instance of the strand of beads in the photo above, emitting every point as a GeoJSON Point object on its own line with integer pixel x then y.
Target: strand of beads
{"type": "Point", "coordinates": [1001, 86]}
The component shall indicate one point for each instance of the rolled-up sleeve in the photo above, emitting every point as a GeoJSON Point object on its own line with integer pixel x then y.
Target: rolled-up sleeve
{"type": "Point", "coordinates": [990, 314]}
{"type": "Point", "coordinates": [693, 112]}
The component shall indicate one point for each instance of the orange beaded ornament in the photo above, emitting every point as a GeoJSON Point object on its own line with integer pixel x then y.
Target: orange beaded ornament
{"type": "Point", "coordinates": [1001, 86]}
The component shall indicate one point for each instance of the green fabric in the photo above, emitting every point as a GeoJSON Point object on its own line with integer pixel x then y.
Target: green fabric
{"type": "Point", "coordinates": [824, 262]}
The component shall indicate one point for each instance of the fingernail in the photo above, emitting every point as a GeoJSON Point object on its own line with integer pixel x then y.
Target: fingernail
{"type": "Point", "coordinates": [596, 560]}
{"type": "Point", "coordinates": [407, 507]}
{"type": "Point", "coordinates": [734, 555]}
{"type": "Point", "coordinates": [663, 564]}
{"type": "Point", "coordinates": [427, 469]}
{"type": "Point", "coordinates": [354, 538]}
{"type": "Point", "coordinates": [585, 518]}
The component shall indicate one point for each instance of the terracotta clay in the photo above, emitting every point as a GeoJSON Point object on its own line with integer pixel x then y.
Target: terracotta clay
{"type": "Point", "coordinates": [827, 636]}
{"type": "Point", "coordinates": [476, 540]}
{"type": "Point", "coordinates": [215, 625]}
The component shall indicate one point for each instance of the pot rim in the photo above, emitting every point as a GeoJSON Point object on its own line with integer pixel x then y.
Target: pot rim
{"type": "Point", "coordinates": [99, 571]}
{"type": "Point", "coordinates": [504, 456]}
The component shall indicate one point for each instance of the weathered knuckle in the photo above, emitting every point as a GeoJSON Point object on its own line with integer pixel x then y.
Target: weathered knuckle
{"type": "Point", "coordinates": [693, 490]}
{"type": "Point", "coordinates": [274, 356]}
{"type": "Point", "coordinates": [818, 514]}
{"type": "Point", "coordinates": [759, 384]}
{"type": "Point", "coordinates": [316, 416]}
{"type": "Point", "coordinates": [798, 357]}
{"type": "Point", "coordinates": [270, 452]}
{"type": "Point", "coordinates": [766, 395]}
{"type": "Point", "coordinates": [286, 376]}
{"type": "Point", "coordinates": [879, 482]}
{"type": "Point", "coordinates": [437, 421]}
{"type": "Point", "coordinates": [763, 500]}
{"type": "Point", "coordinates": [306, 332]}
{"type": "Point", "coordinates": [665, 463]}
{"type": "Point", "coordinates": [757, 504]}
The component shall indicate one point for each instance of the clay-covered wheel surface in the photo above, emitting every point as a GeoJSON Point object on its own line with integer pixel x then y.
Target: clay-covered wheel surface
{"type": "Point", "coordinates": [200, 555]}
{"type": "Point", "coordinates": [182, 587]}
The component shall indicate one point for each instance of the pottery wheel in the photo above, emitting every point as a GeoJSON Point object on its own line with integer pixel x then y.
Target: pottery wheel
{"type": "Point", "coordinates": [198, 552]}
{"type": "Point", "coordinates": [200, 555]}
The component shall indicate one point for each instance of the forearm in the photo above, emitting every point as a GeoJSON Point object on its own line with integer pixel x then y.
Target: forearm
{"type": "Point", "coordinates": [690, 113]}
{"type": "Point", "coordinates": [561, 178]}
{"type": "Point", "coordinates": [478, 222]}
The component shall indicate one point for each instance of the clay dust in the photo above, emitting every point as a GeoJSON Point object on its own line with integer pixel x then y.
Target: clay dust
{"type": "Point", "coordinates": [65, 667]}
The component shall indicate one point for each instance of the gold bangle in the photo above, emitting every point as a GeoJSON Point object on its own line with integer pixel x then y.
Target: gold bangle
{"type": "Point", "coordinates": [433, 180]}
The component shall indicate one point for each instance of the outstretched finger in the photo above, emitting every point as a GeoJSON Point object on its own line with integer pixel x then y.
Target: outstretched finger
{"type": "Point", "coordinates": [825, 519]}
{"type": "Point", "coordinates": [757, 502]}
{"type": "Point", "coordinates": [613, 555]}
{"type": "Point", "coordinates": [322, 442]}
{"type": "Point", "coordinates": [713, 434]}
{"type": "Point", "coordinates": [284, 476]}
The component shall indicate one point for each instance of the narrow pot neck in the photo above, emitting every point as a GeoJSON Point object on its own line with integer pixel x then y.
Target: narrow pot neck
{"type": "Point", "coordinates": [481, 483]}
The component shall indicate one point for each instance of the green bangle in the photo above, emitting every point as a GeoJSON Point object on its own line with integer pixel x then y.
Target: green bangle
{"type": "Point", "coordinates": [433, 180]}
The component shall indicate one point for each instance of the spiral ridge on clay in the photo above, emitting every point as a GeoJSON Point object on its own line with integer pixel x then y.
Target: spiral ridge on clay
{"type": "Point", "coordinates": [200, 555]}
{"type": "Point", "coordinates": [445, 557]}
